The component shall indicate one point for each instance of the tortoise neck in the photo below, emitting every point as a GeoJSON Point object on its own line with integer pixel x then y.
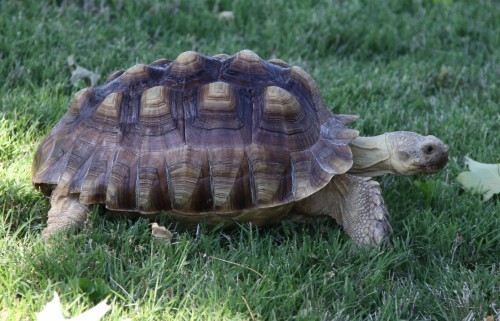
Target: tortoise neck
{"type": "Point", "coordinates": [371, 157]}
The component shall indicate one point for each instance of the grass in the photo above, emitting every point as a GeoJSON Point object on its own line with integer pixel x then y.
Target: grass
{"type": "Point", "coordinates": [425, 66]}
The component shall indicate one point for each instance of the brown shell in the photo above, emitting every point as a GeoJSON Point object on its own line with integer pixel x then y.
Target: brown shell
{"type": "Point", "coordinates": [196, 135]}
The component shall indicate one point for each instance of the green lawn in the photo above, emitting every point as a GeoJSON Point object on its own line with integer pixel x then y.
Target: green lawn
{"type": "Point", "coordinates": [427, 66]}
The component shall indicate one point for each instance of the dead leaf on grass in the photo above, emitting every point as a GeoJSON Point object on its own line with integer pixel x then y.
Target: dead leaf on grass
{"type": "Point", "coordinates": [226, 15]}
{"type": "Point", "coordinates": [80, 73]}
{"type": "Point", "coordinates": [53, 312]}
{"type": "Point", "coordinates": [161, 233]}
{"type": "Point", "coordinates": [482, 178]}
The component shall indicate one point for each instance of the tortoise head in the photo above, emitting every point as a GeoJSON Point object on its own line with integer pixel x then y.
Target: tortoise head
{"type": "Point", "coordinates": [411, 153]}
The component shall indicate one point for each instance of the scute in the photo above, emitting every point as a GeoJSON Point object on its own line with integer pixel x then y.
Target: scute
{"type": "Point", "coordinates": [280, 105]}
{"type": "Point", "coordinates": [115, 75]}
{"type": "Point", "coordinates": [279, 62]}
{"type": "Point", "coordinates": [187, 63]}
{"type": "Point", "coordinates": [191, 70]}
{"type": "Point", "coordinates": [226, 134]}
{"type": "Point", "coordinates": [217, 97]}
{"type": "Point", "coordinates": [121, 187]}
{"type": "Point", "coordinates": [247, 69]}
{"type": "Point", "coordinates": [136, 72]}
{"type": "Point", "coordinates": [156, 106]}
{"type": "Point", "coordinates": [225, 170]}
{"type": "Point", "coordinates": [271, 175]}
{"type": "Point", "coordinates": [79, 100]}
{"type": "Point", "coordinates": [188, 176]}
{"type": "Point", "coordinates": [152, 180]}
{"type": "Point", "coordinates": [109, 109]}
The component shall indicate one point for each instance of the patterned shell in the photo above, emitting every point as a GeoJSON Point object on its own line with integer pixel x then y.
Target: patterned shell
{"type": "Point", "coordinates": [198, 134]}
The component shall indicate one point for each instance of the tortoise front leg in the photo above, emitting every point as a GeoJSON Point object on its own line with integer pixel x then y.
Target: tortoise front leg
{"type": "Point", "coordinates": [66, 211]}
{"type": "Point", "coordinates": [362, 213]}
{"type": "Point", "coordinates": [355, 203]}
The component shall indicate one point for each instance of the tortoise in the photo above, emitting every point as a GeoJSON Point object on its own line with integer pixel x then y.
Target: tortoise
{"type": "Point", "coordinates": [222, 139]}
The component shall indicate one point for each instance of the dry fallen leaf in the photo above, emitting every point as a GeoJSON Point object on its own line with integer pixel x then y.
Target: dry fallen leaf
{"type": "Point", "coordinates": [79, 72]}
{"type": "Point", "coordinates": [4, 314]}
{"type": "Point", "coordinates": [482, 178]}
{"type": "Point", "coordinates": [161, 233]}
{"type": "Point", "coordinates": [226, 15]}
{"type": "Point", "coordinates": [53, 312]}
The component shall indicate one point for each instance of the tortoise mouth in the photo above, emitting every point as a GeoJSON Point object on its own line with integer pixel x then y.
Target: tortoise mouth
{"type": "Point", "coordinates": [430, 169]}
{"type": "Point", "coordinates": [433, 167]}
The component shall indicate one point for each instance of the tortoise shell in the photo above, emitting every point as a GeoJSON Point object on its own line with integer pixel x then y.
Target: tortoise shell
{"type": "Point", "coordinates": [196, 135]}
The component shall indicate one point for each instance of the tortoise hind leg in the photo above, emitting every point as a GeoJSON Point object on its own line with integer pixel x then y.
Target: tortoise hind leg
{"type": "Point", "coordinates": [363, 214]}
{"type": "Point", "coordinates": [66, 211]}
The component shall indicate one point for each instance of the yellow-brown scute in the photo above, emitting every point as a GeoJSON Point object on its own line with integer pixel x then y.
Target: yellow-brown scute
{"type": "Point", "coordinates": [248, 62]}
{"type": "Point", "coordinates": [155, 105]}
{"type": "Point", "coordinates": [109, 109]}
{"type": "Point", "coordinates": [79, 100]}
{"type": "Point", "coordinates": [136, 73]}
{"type": "Point", "coordinates": [217, 98]}
{"type": "Point", "coordinates": [281, 106]}
{"type": "Point", "coordinates": [187, 63]}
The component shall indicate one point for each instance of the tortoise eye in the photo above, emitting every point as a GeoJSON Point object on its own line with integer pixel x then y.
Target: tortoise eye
{"type": "Point", "coordinates": [428, 149]}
